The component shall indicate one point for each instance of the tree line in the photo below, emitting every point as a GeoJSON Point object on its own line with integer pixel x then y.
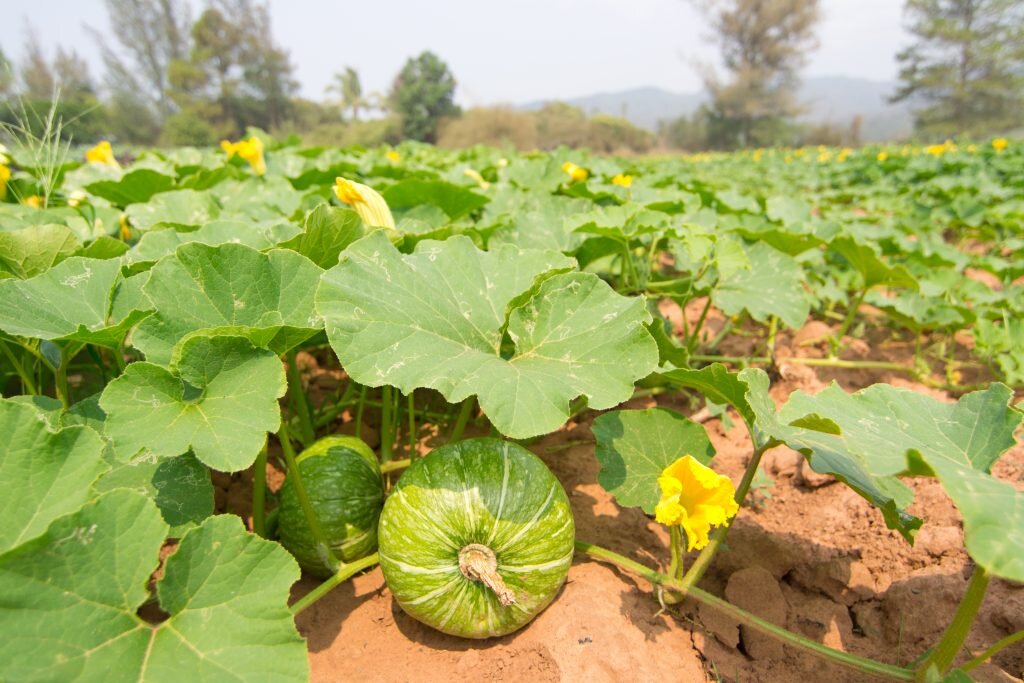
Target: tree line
{"type": "Point", "coordinates": [172, 78]}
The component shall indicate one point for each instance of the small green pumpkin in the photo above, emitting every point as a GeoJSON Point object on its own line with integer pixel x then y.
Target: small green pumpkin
{"type": "Point", "coordinates": [342, 478]}
{"type": "Point", "coordinates": [476, 538]}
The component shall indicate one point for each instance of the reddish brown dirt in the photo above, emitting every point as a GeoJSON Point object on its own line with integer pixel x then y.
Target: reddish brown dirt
{"type": "Point", "coordinates": [810, 555]}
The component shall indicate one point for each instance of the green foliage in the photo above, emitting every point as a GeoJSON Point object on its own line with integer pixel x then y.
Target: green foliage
{"type": "Point", "coordinates": [423, 94]}
{"type": "Point", "coordinates": [965, 71]}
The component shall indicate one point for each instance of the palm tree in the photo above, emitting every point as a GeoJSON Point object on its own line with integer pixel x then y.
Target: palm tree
{"type": "Point", "coordinates": [346, 84]}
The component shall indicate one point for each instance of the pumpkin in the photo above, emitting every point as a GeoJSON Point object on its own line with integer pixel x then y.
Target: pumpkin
{"type": "Point", "coordinates": [476, 538]}
{"type": "Point", "coordinates": [342, 479]}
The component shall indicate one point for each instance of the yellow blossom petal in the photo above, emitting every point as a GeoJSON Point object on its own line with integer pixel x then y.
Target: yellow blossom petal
{"type": "Point", "coordinates": [622, 180]}
{"type": "Point", "coordinates": [250, 150]}
{"type": "Point", "coordinates": [882, 156]}
{"type": "Point", "coordinates": [999, 144]}
{"type": "Point", "coordinates": [125, 227]}
{"type": "Point", "coordinates": [35, 201]}
{"type": "Point", "coordinates": [696, 498]}
{"type": "Point", "coordinates": [366, 201]}
{"type": "Point", "coordinates": [102, 153]}
{"type": "Point", "coordinates": [5, 175]}
{"type": "Point", "coordinates": [393, 156]}
{"type": "Point", "coordinates": [575, 173]}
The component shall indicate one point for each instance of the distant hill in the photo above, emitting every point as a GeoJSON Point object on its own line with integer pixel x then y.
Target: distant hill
{"type": "Point", "coordinates": [833, 99]}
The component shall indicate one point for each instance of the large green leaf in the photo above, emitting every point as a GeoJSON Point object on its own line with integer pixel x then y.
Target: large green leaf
{"type": "Point", "coordinates": [773, 285]}
{"type": "Point", "coordinates": [435, 319]}
{"type": "Point", "coordinates": [219, 399]}
{"type": "Point", "coordinates": [328, 231]}
{"type": "Point", "coordinates": [233, 289]}
{"type": "Point", "coordinates": [47, 472]}
{"type": "Point", "coordinates": [156, 244]}
{"type": "Point", "coordinates": [71, 597]}
{"type": "Point", "coordinates": [133, 187]}
{"type": "Point", "coordinates": [176, 208]}
{"type": "Point", "coordinates": [635, 446]}
{"type": "Point", "coordinates": [35, 249]}
{"type": "Point", "coordinates": [890, 431]}
{"type": "Point", "coordinates": [455, 201]}
{"type": "Point", "coordinates": [180, 487]}
{"type": "Point", "coordinates": [69, 302]}
{"type": "Point", "coordinates": [872, 269]}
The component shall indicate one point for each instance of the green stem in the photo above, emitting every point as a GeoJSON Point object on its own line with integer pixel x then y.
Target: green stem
{"type": "Point", "coordinates": [707, 554]}
{"type": "Point", "coordinates": [27, 385]}
{"type": "Point", "coordinates": [773, 328]}
{"type": "Point", "coordinates": [816, 362]}
{"type": "Point", "coordinates": [695, 337]}
{"type": "Point", "coordinates": [343, 573]}
{"type": "Point", "coordinates": [953, 638]}
{"type": "Point", "coordinates": [60, 379]}
{"type": "Point", "coordinates": [992, 651]}
{"type": "Point", "coordinates": [411, 410]}
{"type": "Point", "coordinates": [259, 493]}
{"type": "Point", "coordinates": [465, 410]}
{"type": "Point", "coordinates": [299, 400]}
{"type": "Point", "coordinates": [393, 465]}
{"type": "Point", "coordinates": [850, 315]}
{"type": "Point", "coordinates": [322, 546]}
{"type": "Point", "coordinates": [675, 568]}
{"type": "Point", "coordinates": [627, 257]}
{"type": "Point", "coordinates": [387, 429]}
{"type": "Point", "coordinates": [359, 411]}
{"type": "Point", "coordinates": [864, 665]}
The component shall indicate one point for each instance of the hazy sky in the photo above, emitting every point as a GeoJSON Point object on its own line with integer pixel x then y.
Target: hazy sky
{"type": "Point", "coordinates": [511, 51]}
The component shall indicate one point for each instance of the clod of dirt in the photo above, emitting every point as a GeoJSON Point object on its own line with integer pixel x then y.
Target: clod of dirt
{"type": "Point", "coordinates": [843, 582]}
{"type": "Point", "coordinates": [756, 590]}
{"type": "Point", "coordinates": [812, 479]}
{"type": "Point", "coordinates": [940, 540]}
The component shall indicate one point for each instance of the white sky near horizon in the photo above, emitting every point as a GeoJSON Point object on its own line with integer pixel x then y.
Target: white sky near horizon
{"type": "Point", "coordinates": [500, 52]}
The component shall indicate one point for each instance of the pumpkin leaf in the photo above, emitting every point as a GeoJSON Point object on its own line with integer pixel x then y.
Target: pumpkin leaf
{"type": "Point", "coordinates": [635, 446]}
{"type": "Point", "coordinates": [455, 201]}
{"type": "Point", "coordinates": [890, 431]}
{"type": "Point", "coordinates": [134, 187]}
{"type": "Point", "coordinates": [49, 471]}
{"type": "Point", "coordinates": [435, 318]}
{"type": "Point", "coordinates": [69, 302]}
{"type": "Point", "coordinates": [71, 597]}
{"type": "Point", "coordinates": [327, 232]}
{"type": "Point", "coordinates": [156, 244]}
{"type": "Point", "coordinates": [233, 290]}
{"type": "Point", "coordinates": [873, 270]}
{"type": "Point", "coordinates": [218, 399]}
{"type": "Point", "coordinates": [174, 208]}
{"type": "Point", "coordinates": [773, 285]}
{"type": "Point", "coordinates": [35, 249]}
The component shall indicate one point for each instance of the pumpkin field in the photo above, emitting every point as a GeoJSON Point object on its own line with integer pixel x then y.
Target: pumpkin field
{"type": "Point", "coordinates": [273, 412]}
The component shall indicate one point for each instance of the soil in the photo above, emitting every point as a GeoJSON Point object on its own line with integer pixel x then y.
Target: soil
{"type": "Point", "coordinates": [809, 554]}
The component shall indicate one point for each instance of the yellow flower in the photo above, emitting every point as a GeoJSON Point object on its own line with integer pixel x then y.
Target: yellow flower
{"type": "Point", "coordinates": [393, 156]}
{"type": "Point", "coordinates": [35, 201]}
{"type": "Point", "coordinates": [971, 149]}
{"type": "Point", "coordinates": [622, 180]}
{"type": "Point", "coordinates": [250, 150]}
{"type": "Point", "coordinates": [126, 228]}
{"type": "Point", "coordinates": [575, 172]}
{"type": "Point", "coordinates": [475, 175]}
{"type": "Point", "coordinates": [757, 154]}
{"type": "Point", "coordinates": [5, 175]}
{"type": "Point", "coordinates": [77, 198]}
{"type": "Point", "coordinates": [102, 153]}
{"type": "Point", "coordinates": [366, 201]}
{"type": "Point", "coordinates": [999, 144]}
{"type": "Point", "coordinates": [694, 497]}
{"type": "Point", "coordinates": [882, 156]}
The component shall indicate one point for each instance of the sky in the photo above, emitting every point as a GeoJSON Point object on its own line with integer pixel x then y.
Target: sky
{"type": "Point", "coordinates": [501, 52]}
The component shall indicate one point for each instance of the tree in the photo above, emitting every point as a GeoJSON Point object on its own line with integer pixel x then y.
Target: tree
{"type": "Point", "coordinates": [763, 44]}
{"type": "Point", "coordinates": [346, 84]}
{"type": "Point", "coordinates": [36, 74]}
{"type": "Point", "coordinates": [423, 94]}
{"type": "Point", "coordinates": [152, 33]}
{"type": "Point", "coordinates": [6, 75]}
{"type": "Point", "coordinates": [72, 74]}
{"type": "Point", "coordinates": [965, 70]}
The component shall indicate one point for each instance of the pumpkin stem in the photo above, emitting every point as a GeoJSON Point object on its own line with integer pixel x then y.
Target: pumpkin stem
{"type": "Point", "coordinates": [478, 563]}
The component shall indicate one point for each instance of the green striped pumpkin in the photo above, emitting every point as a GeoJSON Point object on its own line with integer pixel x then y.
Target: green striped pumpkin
{"type": "Point", "coordinates": [476, 538]}
{"type": "Point", "coordinates": [342, 478]}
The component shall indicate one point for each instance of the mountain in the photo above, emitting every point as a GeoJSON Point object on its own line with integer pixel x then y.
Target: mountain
{"type": "Point", "coordinates": [830, 99]}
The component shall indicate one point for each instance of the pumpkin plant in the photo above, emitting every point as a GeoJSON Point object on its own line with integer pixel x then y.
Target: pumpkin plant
{"type": "Point", "coordinates": [157, 321]}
